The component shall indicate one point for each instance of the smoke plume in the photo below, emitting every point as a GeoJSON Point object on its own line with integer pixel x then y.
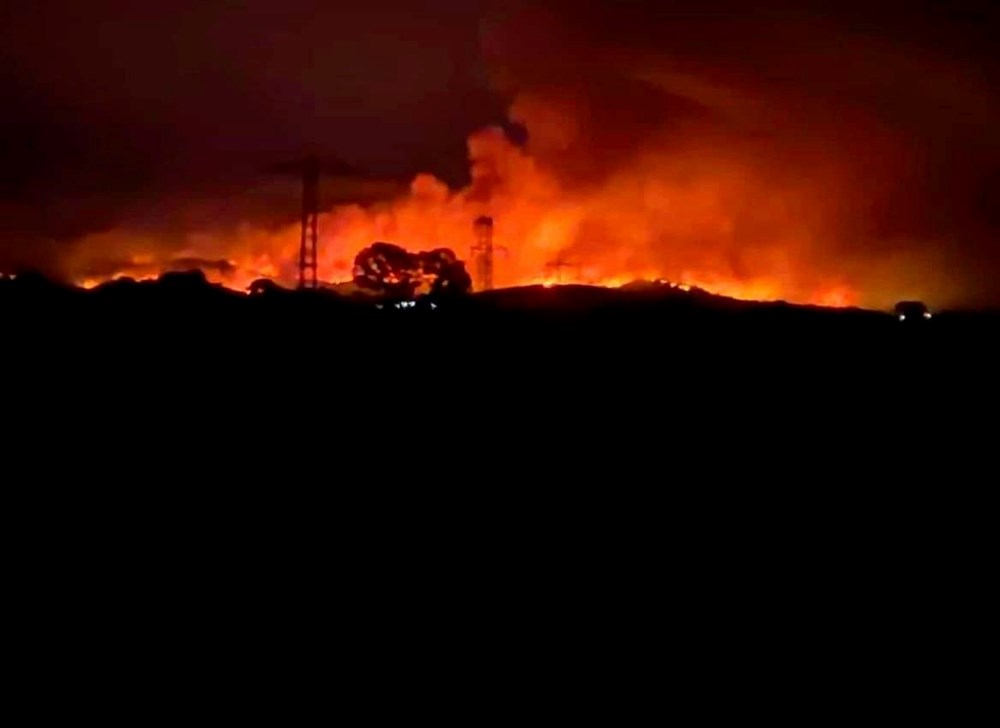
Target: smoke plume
{"type": "Point", "coordinates": [811, 155]}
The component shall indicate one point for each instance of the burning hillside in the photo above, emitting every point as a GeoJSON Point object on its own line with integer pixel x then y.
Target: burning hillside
{"type": "Point", "coordinates": [689, 216]}
{"type": "Point", "coordinates": [615, 167]}
{"type": "Point", "coordinates": [741, 216]}
{"type": "Point", "coordinates": [822, 157]}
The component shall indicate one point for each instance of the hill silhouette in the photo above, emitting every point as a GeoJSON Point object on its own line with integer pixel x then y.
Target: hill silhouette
{"type": "Point", "coordinates": [195, 397]}
{"type": "Point", "coordinates": [587, 346]}
{"type": "Point", "coordinates": [652, 304]}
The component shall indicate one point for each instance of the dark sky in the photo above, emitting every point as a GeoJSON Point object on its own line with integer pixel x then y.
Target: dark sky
{"type": "Point", "coordinates": [156, 113]}
{"type": "Point", "coordinates": [108, 101]}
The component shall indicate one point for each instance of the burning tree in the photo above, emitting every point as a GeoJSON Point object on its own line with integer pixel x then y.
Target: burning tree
{"type": "Point", "coordinates": [394, 273]}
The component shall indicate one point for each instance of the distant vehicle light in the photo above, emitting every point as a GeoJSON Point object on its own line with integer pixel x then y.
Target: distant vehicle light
{"type": "Point", "coordinates": [912, 311]}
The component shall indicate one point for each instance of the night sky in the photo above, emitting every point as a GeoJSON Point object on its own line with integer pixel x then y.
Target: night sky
{"type": "Point", "coordinates": [163, 114]}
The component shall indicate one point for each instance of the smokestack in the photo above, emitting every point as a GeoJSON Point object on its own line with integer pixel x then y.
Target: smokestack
{"type": "Point", "coordinates": [482, 253]}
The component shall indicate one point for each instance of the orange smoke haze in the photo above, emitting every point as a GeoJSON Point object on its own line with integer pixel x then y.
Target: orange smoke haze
{"type": "Point", "coordinates": [689, 205]}
{"type": "Point", "coordinates": [831, 153]}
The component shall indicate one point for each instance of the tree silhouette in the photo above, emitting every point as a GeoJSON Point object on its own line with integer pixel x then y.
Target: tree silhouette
{"type": "Point", "coordinates": [386, 269]}
{"type": "Point", "coordinates": [395, 273]}
{"type": "Point", "coordinates": [446, 272]}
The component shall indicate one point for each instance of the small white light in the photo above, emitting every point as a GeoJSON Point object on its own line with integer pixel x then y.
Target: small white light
{"type": "Point", "coordinates": [379, 306]}
{"type": "Point", "coordinates": [902, 317]}
{"type": "Point", "coordinates": [434, 307]}
{"type": "Point", "coordinates": [927, 314]}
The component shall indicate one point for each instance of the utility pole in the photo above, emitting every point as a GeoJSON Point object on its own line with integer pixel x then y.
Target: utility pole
{"type": "Point", "coordinates": [309, 170]}
{"type": "Point", "coordinates": [558, 265]}
{"type": "Point", "coordinates": [308, 248]}
{"type": "Point", "coordinates": [482, 253]}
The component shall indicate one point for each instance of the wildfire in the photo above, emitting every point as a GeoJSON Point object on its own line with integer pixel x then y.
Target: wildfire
{"type": "Point", "coordinates": [694, 215]}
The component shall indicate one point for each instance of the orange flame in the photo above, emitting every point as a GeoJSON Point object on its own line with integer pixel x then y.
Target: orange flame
{"type": "Point", "coordinates": [695, 216]}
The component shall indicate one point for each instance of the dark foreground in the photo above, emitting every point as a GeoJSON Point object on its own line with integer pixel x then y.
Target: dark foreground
{"type": "Point", "coordinates": [528, 334]}
{"type": "Point", "coordinates": [495, 366]}
{"type": "Point", "coordinates": [643, 484]}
